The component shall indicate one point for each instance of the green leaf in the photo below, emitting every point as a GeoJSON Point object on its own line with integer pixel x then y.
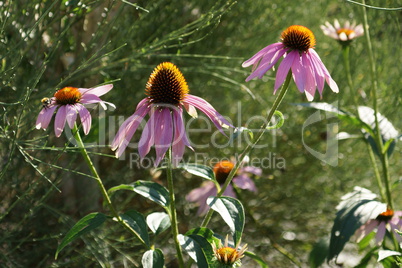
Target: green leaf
{"type": "Point", "coordinates": [383, 254]}
{"type": "Point", "coordinates": [232, 212]}
{"type": "Point", "coordinates": [355, 209]}
{"type": "Point", "coordinates": [199, 170]}
{"type": "Point", "coordinates": [83, 226]}
{"type": "Point", "coordinates": [193, 245]}
{"type": "Point", "coordinates": [148, 189]}
{"type": "Point", "coordinates": [153, 259]}
{"type": "Point", "coordinates": [158, 222]}
{"type": "Point", "coordinates": [319, 253]}
{"type": "Point", "coordinates": [256, 258]}
{"type": "Point", "coordinates": [137, 221]}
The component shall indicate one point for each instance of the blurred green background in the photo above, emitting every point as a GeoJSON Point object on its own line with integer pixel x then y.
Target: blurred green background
{"type": "Point", "coordinates": [46, 45]}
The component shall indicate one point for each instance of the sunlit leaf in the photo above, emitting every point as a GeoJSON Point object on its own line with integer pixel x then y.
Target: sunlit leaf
{"type": "Point", "coordinates": [83, 226]}
{"type": "Point", "coordinates": [194, 249]}
{"type": "Point", "coordinates": [153, 259]}
{"type": "Point", "coordinates": [137, 221]}
{"type": "Point", "coordinates": [148, 189]}
{"type": "Point", "coordinates": [199, 170]}
{"type": "Point", "coordinates": [158, 222]}
{"type": "Point", "coordinates": [355, 209]}
{"type": "Point", "coordinates": [232, 212]}
{"type": "Point", "coordinates": [382, 254]}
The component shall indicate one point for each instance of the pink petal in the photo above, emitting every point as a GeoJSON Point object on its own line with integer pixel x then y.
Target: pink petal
{"type": "Point", "coordinates": [299, 75]}
{"type": "Point", "coordinates": [253, 170]}
{"type": "Point", "coordinates": [60, 120]}
{"type": "Point", "coordinates": [200, 195]}
{"type": "Point", "coordinates": [44, 117]}
{"type": "Point", "coordinates": [310, 86]}
{"type": "Point", "coordinates": [267, 62]}
{"type": "Point", "coordinates": [208, 110]}
{"type": "Point", "coordinates": [71, 115]}
{"type": "Point", "coordinates": [256, 58]}
{"type": "Point", "coordinates": [328, 78]}
{"type": "Point", "coordinates": [380, 233]}
{"type": "Point", "coordinates": [244, 182]}
{"type": "Point", "coordinates": [365, 229]}
{"type": "Point", "coordinates": [86, 119]}
{"type": "Point", "coordinates": [180, 138]}
{"type": "Point", "coordinates": [128, 128]}
{"type": "Point", "coordinates": [147, 137]}
{"type": "Point", "coordinates": [98, 91]}
{"type": "Point", "coordinates": [163, 134]}
{"type": "Point", "coordinates": [319, 74]}
{"type": "Point", "coordinates": [284, 68]}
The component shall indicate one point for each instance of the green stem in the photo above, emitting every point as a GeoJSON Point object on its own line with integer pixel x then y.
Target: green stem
{"type": "Point", "coordinates": [346, 62]}
{"type": "Point", "coordinates": [172, 206]}
{"type": "Point", "coordinates": [249, 147]}
{"type": "Point", "coordinates": [102, 188]}
{"type": "Point", "coordinates": [374, 89]}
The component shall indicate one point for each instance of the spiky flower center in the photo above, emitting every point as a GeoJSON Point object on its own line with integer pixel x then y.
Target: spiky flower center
{"type": "Point", "coordinates": [345, 31]}
{"type": "Point", "coordinates": [227, 255]}
{"type": "Point", "coordinates": [386, 216]}
{"type": "Point", "coordinates": [166, 85]}
{"type": "Point", "coordinates": [298, 37]}
{"type": "Point", "coordinates": [68, 95]}
{"type": "Point", "coordinates": [222, 170]}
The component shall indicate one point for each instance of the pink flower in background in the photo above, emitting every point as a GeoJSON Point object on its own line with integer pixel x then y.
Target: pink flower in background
{"type": "Point", "coordinates": [299, 56]}
{"type": "Point", "coordinates": [167, 92]}
{"type": "Point", "coordinates": [221, 171]}
{"type": "Point", "coordinates": [346, 33]}
{"type": "Point", "coordinates": [387, 221]}
{"type": "Point", "coordinates": [70, 102]}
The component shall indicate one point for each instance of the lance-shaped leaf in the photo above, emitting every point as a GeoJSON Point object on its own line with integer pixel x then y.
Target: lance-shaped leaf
{"type": "Point", "coordinates": [202, 171]}
{"type": "Point", "coordinates": [232, 212]}
{"type": "Point", "coordinates": [158, 222]}
{"type": "Point", "coordinates": [355, 209]}
{"type": "Point", "coordinates": [83, 226]}
{"type": "Point", "coordinates": [137, 221]}
{"type": "Point", "coordinates": [153, 259]}
{"type": "Point", "coordinates": [148, 189]}
{"type": "Point", "coordinates": [388, 132]}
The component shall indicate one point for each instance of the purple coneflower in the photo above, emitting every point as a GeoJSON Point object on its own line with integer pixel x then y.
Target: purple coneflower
{"type": "Point", "coordinates": [307, 68]}
{"type": "Point", "coordinates": [344, 34]}
{"type": "Point", "coordinates": [387, 221]}
{"type": "Point", "coordinates": [167, 92]}
{"type": "Point", "coordinates": [69, 101]}
{"type": "Point", "coordinates": [221, 171]}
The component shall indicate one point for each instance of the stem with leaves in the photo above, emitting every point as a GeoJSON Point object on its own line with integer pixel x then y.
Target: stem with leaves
{"type": "Point", "coordinates": [102, 188]}
{"type": "Point", "coordinates": [249, 147]}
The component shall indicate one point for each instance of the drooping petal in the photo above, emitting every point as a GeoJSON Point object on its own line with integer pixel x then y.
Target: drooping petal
{"type": "Point", "coordinates": [163, 134]}
{"type": "Point", "coordinates": [380, 232]}
{"type": "Point", "coordinates": [267, 62]}
{"type": "Point", "coordinates": [319, 74]}
{"type": "Point", "coordinates": [200, 195]}
{"type": "Point", "coordinates": [244, 182]}
{"type": "Point", "coordinates": [44, 117]}
{"type": "Point", "coordinates": [284, 68]}
{"type": "Point", "coordinates": [256, 58]}
{"type": "Point", "coordinates": [365, 229]}
{"type": "Point", "coordinates": [147, 137]}
{"type": "Point", "coordinates": [218, 120]}
{"type": "Point", "coordinates": [298, 72]}
{"type": "Point", "coordinates": [331, 83]}
{"type": "Point", "coordinates": [310, 85]}
{"type": "Point", "coordinates": [128, 128]}
{"type": "Point", "coordinates": [253, 170]}
{"type": "Point", "coordinates": [191, 110]}
{"type": "Point", "coordinates": [85, 116]}
{"type": "Point", "coordinates": [98, 91]}
{"type": "Point", "coordinates": [180, 137]}
{"type": "Point", "coordinates": [60, 120]}
{"type": "Point", "coordinates": [71, 115]}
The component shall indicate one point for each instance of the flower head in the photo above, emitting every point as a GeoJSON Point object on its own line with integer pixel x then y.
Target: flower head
{"type": "Point", "coordinates": [226, 256]}
{"type": "Point", "coordinates": [299, 57]}
{"type": "Point", "coordinates": [344, 34]}
{"type": "Point", "coordinates": [389, 220]}
{"type": "Point", "coordinates": [69, 102]}
{"type": "Point", "coordinates": [221, 171]}
{"type": "Point", "coordinates": [167, 92]}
